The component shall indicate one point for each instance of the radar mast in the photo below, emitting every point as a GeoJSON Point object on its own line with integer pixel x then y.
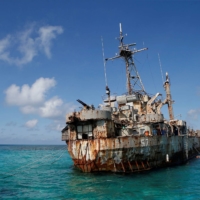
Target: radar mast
{"type": "Point", "coordinates": [131, 71]}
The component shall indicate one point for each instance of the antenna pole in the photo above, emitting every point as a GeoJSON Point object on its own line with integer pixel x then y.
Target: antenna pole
{"type": "Point", "coordinates": [120, 27]}
{"type": "Point", "coordinates": [169, 97]}
{"type": "Point", "coordinates": [104, 63]}
{"type": "Point", "coordinates": [121, 37]}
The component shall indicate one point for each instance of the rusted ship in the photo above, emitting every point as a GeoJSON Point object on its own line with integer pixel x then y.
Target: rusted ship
{"type": "Point", "coordinates": [128, 133]}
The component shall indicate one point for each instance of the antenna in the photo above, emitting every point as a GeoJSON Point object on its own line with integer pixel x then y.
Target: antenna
{"type": "Point", "coordinates": [160, 68]}
{"type": "Point", "coordinates": [104, 62]}
{"type": "Point", "coordinates": [127, 54]}
{"type": "Point", "coordinates": [120, 27]}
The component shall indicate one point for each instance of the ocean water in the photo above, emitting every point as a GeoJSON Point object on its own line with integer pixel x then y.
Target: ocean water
{"type": "Point", "coordinates": [47, 172]}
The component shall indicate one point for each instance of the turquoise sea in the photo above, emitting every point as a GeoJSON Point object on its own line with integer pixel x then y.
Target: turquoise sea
{"type": "Point", "coordinates": [47, 172]}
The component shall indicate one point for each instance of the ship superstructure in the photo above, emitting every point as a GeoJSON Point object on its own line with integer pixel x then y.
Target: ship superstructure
{"type": "Point", "coordinates": [128, 133]}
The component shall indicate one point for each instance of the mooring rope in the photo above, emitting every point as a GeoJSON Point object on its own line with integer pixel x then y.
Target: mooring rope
{"type": "Point", "coordinates": [196, 150]}
{"type": "Point", "coordinates": [58, 158]}
{"type": "Point", "coordinates": [43, 158]}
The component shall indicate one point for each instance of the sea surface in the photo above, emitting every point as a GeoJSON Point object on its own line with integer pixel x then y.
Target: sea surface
{"type": "Point", "coordinates": [47, 172]}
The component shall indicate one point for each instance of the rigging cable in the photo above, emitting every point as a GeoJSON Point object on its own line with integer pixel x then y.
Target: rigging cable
{"type": "Point", "coordinates": [150, 70]}
{"type": "Point", "coordinates": [151, 73]}
{"type": "Point", "coordinates": [104, 62]}
{"type": "Point", "coordinates": [58, 157]}
{"type": "Point", "coordinates": [160, 68]}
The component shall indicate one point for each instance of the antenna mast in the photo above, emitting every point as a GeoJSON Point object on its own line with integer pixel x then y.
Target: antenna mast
{"type": "Point", "coordinates": [169, 97]}
{"type": "Point", "coordinates": [126, 53]}
{"type": "Point", "coordinates": [107, 88]}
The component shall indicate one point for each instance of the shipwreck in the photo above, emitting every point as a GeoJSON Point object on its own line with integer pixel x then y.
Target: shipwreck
{"type": "Point", "coordinates": [129, 133]}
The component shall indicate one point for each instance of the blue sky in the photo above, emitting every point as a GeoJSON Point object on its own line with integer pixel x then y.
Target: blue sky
{"type": "Point", "coordinates": [51, 55]}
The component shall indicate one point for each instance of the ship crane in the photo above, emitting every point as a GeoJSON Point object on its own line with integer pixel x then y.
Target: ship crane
{"type": "Point", "coordinates": [150, 102]}
{"type": "Point", "coordinates": [169, 97]}
{"type": "Point", "coordinates": [127, 54]}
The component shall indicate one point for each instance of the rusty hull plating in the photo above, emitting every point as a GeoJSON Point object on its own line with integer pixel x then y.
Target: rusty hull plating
{"type": "Point", "coordinates": [128, 133]}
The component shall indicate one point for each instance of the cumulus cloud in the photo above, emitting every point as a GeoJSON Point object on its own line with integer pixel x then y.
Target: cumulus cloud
{"type": "Point", "coordinates": [32, 99]}
{"type": "Point", "coordinates": [52, 108]}
{"type": "Point", "coordinates": [29, 95]}
{"type": "Point", "coordinates": [31, 123]}
{"type": "Point", "coordinates": [28, 43]}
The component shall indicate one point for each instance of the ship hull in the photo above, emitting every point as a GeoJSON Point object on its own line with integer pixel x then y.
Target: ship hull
{"type": "Point", "coordinates": [132, 153]}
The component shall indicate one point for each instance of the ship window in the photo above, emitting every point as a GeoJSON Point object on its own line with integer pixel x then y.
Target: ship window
{"type": "Point", "coordinates": [79, 128]}
{"type": "Point", "coordinates": [84, 131]}
{"type": "Point", "coordinates": [80, 136]}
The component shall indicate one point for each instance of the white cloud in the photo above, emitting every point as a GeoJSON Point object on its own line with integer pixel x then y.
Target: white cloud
{"type": "Point", "coordinates": [55, 108]}
{"type": "Point", "coordinates": [32, 99]}
{"type": "Point", "coordinates": [31, 123]}
{"type": "Point", "coordinates": [4, 44]}
{"type": "Point", "coordinates": [29, 95]}
{"type": "Point", "coordinates": [56, 125]}
{"type": "Point", "coordinates": [52, 108]}
{"type": "Point", "coordinates": [193, 114]}
{"type": "Point", "coordinates": [26, 46]}
{"type": "Point", "coordinates": [46, 34]}
{"type": "Point", "coordinates": [29, 109]}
